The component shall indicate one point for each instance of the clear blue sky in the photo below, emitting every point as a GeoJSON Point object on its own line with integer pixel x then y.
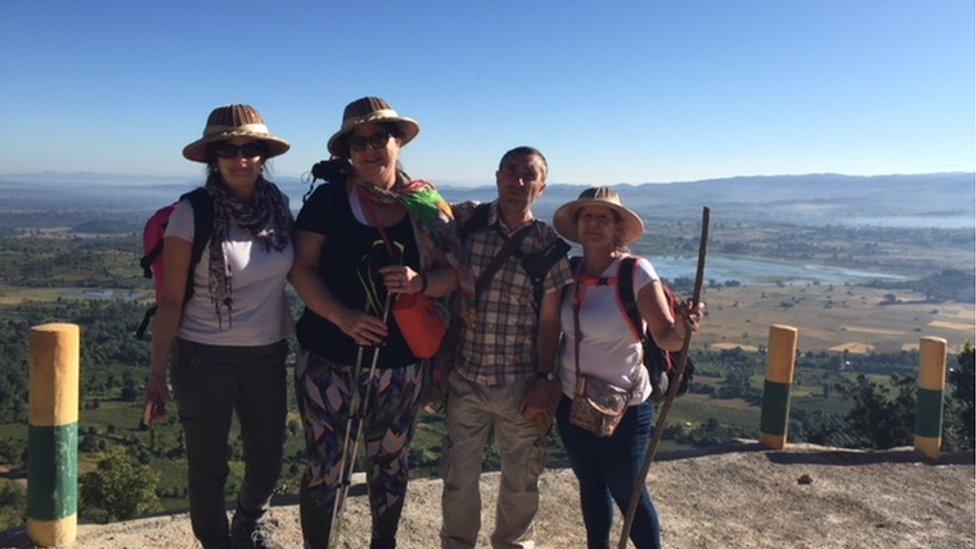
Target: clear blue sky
{"type": "Point", "coordinates": [610, 91]}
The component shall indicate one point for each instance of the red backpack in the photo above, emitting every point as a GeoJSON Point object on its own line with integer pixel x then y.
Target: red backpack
{"type": "Point", "coordinates": [152, 245]}
{"type": "Point", "coordinates": [660, 364]}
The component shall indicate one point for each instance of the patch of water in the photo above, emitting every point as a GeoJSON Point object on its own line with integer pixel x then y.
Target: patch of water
{"type": "Point", "coordinates": [105, 293]}
{"type": "Point", "coordinates": [758, 271]}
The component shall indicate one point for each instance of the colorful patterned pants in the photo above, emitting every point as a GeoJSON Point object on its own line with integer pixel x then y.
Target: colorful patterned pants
{"type": "Point", "coordinates": [325, 392]}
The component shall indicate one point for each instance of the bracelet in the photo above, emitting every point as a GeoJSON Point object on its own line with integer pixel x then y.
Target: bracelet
{"type": "Point", "coordinates": [423, 282]}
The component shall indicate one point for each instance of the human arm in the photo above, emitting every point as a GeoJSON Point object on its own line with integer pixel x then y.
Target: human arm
{"type": "Point", "coordinates": [668, 332]}
{"type": "Point", "coordinates": [169, 311]}
{"type": "Point", "coordinates": [363, 328]}
{"type": "Point", "coordinates": [543, 394]}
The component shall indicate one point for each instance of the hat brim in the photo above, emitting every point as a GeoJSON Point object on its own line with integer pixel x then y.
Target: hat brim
{"type": "Point", "coordinates": [409, 129]}
{"type": "Point", "coordinates": [197, 151]}
{"type": "Point", "coordinates": [565, 223]}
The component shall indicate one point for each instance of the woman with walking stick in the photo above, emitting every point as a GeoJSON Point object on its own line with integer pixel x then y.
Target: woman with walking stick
{"type": "Point", "coordinates": [357, 247]}
{"type": "Point", "coordinates": [605, 417]}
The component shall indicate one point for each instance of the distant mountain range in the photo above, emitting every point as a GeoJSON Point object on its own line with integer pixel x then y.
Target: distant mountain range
{"type": "Point", "coordinates": [939, 199]}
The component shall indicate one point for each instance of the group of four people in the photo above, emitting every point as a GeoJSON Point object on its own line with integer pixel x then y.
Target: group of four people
{"type": "Point", "coordinates": [221, 335]}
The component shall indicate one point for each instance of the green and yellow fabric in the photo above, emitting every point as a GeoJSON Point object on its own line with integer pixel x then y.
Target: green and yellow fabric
{"type": "Point", "coordinates": [52, 468]}
{"type": "Point", "coordinates": [780, 362]}
{"type": "Point", "coordinates": [931, 387]}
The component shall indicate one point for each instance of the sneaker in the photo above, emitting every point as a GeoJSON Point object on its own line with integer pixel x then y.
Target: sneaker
{"type": "Point", "coordinates": [251, 534]}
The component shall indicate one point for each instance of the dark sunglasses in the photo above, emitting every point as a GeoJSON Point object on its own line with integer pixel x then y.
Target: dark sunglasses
{"type": "Point", "coordinates": [376, 141]}
{"type": "Point", "coordinates": [248, 150]}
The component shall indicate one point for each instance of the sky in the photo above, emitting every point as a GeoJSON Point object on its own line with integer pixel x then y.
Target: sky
{"type": "Point", "coordinates": [611, 92]}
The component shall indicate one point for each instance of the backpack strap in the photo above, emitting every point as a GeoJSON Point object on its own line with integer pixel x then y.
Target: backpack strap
{"type": "Point", "coordinates": [628, 304]}
{"type": "Point", "coordinates": [146, 261]}
{"type": "Point", "coordinates": [537, 267]}
{"type": "Point", "coordinates": [203, 216]}
{"type": "Point", "coordinates": [141, 330]}
{"type": "Point", "coordinates": [625, 295]}
{"type": "Point", "coordinates": [477, 221]}
{"type": "Point", "coordinates": [574, 263]}
{"type": "Point", "coordinates": [496, 262]}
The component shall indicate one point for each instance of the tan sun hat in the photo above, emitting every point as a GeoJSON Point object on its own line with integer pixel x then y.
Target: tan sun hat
{"type": "Point", "coordinates": [366, 110]}
{"type": "Point", "coordinates": [232, 121]}
{"type": "Point", "coordinates": [566, 223]}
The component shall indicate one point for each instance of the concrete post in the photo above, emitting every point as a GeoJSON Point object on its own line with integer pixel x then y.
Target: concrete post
{"type": "Point", "coordinates": [931, 387]}
{"type": "Point", "coordinates": [780, 363]}
{"type": "Point", "coordinates": [52, 435]}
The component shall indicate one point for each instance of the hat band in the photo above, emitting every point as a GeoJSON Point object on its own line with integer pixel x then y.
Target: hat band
{"type": "Point", "coordinates": [250, 128]}
{"type": "Point", "coordinates": [382, 113]}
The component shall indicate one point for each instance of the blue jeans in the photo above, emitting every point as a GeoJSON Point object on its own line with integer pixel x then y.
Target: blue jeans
{"type": "Point", "coordinates": [608, 467]}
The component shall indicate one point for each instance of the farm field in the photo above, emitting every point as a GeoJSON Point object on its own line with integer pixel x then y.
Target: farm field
{"type": "Point", "coordinates": [13, 295]}
{"type": "Point", "coordinates": [831, 318]}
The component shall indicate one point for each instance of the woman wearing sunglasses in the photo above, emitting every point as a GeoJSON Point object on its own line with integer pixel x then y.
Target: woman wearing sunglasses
{"type": "Point", "coordinates": [602, 345]}
{"type": "Point", "coordinates": [355, 244]}
{"type": "Point", "coordinates": [222, 324]}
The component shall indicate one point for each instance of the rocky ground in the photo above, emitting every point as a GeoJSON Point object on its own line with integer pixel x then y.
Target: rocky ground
{"type": "Point", "coordinates": [739, 495]}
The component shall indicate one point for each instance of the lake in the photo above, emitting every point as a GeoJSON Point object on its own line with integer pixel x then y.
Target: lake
{"type": "Point", "coordinates": [759, 271]}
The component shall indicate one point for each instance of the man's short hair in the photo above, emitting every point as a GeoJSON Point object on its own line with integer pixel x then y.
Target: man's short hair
{"type": "Point", "coordinates": [524, 150]}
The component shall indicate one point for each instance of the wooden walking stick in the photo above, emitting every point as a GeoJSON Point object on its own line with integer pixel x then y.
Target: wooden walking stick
{"type": "Point", "coordinates": [673, 389]}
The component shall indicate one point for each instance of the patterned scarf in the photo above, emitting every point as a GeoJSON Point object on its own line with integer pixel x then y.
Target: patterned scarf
{"type": "Point", "coordinates": [265, 217]}
{"type": "Point", "coordinates": [432, 220]}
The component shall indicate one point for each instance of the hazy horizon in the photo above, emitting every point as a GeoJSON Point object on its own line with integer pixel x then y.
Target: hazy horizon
{"type": "Point", "coordinates": [54, 176]}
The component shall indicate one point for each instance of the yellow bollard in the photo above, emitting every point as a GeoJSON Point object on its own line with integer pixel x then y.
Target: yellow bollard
{"type": "Point", "coordinates": [52, 467]}
{"type": "Point", "coordinates": [931, 387]}
{"type": "Point", "coordinates": [780, 363]}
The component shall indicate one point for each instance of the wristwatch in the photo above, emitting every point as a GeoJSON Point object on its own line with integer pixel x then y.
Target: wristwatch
{"type": "Point", "coordinates": [548, 376]}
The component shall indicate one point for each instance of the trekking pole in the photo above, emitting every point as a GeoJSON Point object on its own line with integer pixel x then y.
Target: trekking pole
{"type": "Point", "coordinates": [673, 389]}
{"type": "Point", "coordinates": [354, 394]}
{"type": "Point", "coordinates": [346, 478]}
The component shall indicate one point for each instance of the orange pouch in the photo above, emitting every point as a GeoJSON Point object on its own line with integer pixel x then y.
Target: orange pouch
{"type": "Point", "coordinates": [422, 327]}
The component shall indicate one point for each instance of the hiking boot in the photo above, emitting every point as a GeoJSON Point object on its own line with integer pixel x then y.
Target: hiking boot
{"type": "Point", "coordinates": [251, 534]}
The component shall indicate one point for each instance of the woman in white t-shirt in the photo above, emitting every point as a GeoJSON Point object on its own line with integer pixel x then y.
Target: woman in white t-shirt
{"type": "Point", "coordinates": [608, 467]}
{"type": "Point", "coordinates": [222, 324]}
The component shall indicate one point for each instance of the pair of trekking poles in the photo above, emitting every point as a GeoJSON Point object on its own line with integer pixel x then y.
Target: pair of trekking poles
{"type": "Point", "coordinates": [350, 442]}
{"type": "Point", "coordinates": [358, 407]}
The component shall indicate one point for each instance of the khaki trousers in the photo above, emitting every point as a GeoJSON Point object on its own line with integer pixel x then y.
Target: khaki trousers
{"type": "Point", "coordinates": [473, 411]}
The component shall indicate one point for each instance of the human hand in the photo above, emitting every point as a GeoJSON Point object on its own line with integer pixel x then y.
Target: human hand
{"type": "Point", "coordinates": [365, 329]}
{"type": "Point", "coordinates": [693, 316]}
{"type": "Point", "coordinates": [436, 398]}
{"type": "Point", "coordinates": [401, 279]}
{"type": "Point", "coordinates": [541, 398]}
{"type": "Point", "coordinates": [157, 394]}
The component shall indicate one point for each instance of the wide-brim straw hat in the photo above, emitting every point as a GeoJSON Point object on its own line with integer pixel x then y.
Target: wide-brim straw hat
{"type": "Point", "coordinates": [566, 224]}
{"type": "Point", "coordinates": [364, 111]}
{"type": "Point", "coordinates": [230, 122]}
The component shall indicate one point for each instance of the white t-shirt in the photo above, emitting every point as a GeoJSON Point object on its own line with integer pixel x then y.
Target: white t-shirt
{"type": "Point", "coordinates": [260, 314]}
{"type": "Point", "coordinates": [608, 349]}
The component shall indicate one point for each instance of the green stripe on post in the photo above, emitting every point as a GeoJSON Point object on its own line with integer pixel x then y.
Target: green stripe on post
{"type": "Point", "coordinates": [52, 492]}
{"type": "Point", "coordinates": [928, 413]}
{"type": "Point", "coordinates": [775, 408]}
